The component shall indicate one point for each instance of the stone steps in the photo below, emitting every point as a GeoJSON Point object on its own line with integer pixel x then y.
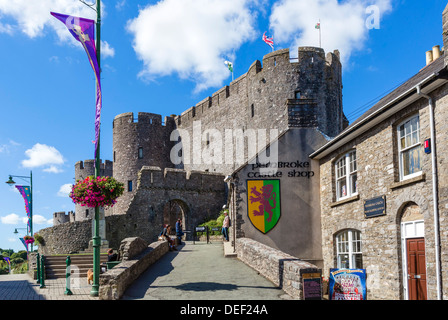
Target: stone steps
{"type": "Point", "coordinates": [55, 266]}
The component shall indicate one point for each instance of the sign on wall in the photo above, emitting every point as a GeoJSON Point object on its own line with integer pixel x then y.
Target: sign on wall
{"type": "Point", "coordinates": [263, 203]}
{"type": "Point", "coordinates": [375, 207]}
{"type": "Point", "coordinates": [347, 284]}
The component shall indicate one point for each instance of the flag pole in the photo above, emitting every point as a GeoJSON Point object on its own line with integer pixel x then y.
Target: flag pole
{"type": "Point", "coordinates": [320, 39]}
{"type": "Point", "coordinates": [96, 237]}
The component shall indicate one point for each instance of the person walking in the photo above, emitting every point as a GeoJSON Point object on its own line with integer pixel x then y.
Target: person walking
{"type": "Point", "coordinates": [179, 232]}
{"type": "Point", "coordinates": [225, 226]}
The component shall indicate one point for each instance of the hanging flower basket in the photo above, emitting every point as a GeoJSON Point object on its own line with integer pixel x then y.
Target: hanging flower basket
{"type": "Point", "coordinates": [28, 239]}
{"type": "Point", "coordinates": [93, 192]}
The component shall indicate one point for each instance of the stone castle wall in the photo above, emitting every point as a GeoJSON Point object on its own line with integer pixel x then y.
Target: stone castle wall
{"type": "Point", "coordinates": [279, 94]}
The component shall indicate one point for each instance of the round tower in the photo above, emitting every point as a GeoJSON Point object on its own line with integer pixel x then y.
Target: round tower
{"type": "Point", "coordinates": [145, 142]}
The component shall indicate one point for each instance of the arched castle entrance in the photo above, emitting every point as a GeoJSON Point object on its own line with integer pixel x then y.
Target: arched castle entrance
{"type": "Point", "coordinates": [163, 196]}
{"type": "Point", "coordinates": [173, 210]}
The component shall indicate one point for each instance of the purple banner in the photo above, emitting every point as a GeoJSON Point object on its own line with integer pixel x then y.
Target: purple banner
{"type": "Point", "coordinates": [25, 244]}
{"type": "Point", "coordinates": [26, 194]}
{"type": "Point", "coordinates": [83, 30]}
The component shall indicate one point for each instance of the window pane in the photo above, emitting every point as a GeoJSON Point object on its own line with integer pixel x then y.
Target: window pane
{"type": "Point", "coordinates": [402, 143]}
{"type": "Point", "coordinates": [353, 183]}
{"type": "Point", "coordinates": [343, 261]}
{"type": "Point", "coordinates": [415, 138]}
{"type": "Point", "coordinates": [357, 261]}
{"type": "Point", "coordinates": [342, 188]}
{"type": "Point", "coordinates": [411, 161]}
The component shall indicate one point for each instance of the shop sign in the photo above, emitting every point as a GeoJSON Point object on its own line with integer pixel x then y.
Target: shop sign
{"type": "Point", "coordinates": [311, 284]}
{"type": "Point", "coordinates": [347, 284]}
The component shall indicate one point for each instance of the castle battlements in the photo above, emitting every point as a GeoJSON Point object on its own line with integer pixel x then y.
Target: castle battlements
{"type": "Point", "coordinates": [87, 167]}
{"type": "Point", "coordinates": [155, 178]}
{"type": "Point", "coordinates": [145, 118]}
{"type": "Point", "coordinates": [309, 59]}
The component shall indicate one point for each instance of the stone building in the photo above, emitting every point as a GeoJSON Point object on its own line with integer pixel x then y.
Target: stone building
{"type": "Point", "coordinates": [383, 187]}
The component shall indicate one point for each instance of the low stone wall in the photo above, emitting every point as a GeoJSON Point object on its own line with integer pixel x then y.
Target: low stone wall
{"type": "Point", "coordinates": [114, 282]}
{"type": "Point", "coordinates": [277, 266]}
{"type": "Point", "coordinates": [66, 238]}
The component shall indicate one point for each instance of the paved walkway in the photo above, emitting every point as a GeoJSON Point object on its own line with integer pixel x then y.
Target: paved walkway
{"type": "Point", "coordinates": [197, 271]}
{"type": "Point", "coordinates": [22, 287]}
{"type": "Point", "coordinates": [201, 272]}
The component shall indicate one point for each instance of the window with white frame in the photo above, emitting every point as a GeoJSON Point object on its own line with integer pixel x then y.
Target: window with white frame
{"type": "Point", "coordinates": [349, 249]}
{"type": "Point", "coordinates": [346, 176]}
{"type": "Point", "coordinates": [409, 148]}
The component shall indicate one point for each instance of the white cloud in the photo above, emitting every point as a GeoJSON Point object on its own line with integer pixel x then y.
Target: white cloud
{"type": "Point", "coordinates": [15, 219]}
{"type": "Point", "coordinates": [11, 219]}
{"type": "Point", "coordinates": [343, 24]}
{"type": "Point", "coordinates": [41, 155]}
{"type": "Point", "coordinates": [191, 38]}
{"type": "Point", "coordinates": [65, 190]}
{"type": "Point", "coordinates": [106, 50]}
{"type": "Point", "coordinates": [33, 18]}
{"type": "Point", "coordinates": [6, 28]}
{"type": "Point", "coordinates": [38, 219]}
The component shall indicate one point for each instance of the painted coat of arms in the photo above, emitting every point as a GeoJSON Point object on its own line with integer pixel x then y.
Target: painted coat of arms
{"type": "Point", "coordinates": [263, 205]}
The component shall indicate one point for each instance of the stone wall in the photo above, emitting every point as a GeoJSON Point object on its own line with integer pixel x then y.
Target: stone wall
{"type": "Point", "coordinates": [280, 268]}
{"type": "Point", "coordinates": [66, 238]}
{"type": "Point", "coordinates": [114, 282]}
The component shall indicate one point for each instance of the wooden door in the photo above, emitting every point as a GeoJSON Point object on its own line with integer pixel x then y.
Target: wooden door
{"type": "Point", "coordinates": [416, 268]}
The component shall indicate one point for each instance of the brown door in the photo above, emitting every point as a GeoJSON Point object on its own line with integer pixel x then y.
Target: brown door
{"type": "Point", "coordinates": [416, 268]}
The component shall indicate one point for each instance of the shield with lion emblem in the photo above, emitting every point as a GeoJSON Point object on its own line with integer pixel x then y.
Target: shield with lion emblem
{"type": "Point", "coordinates": [263, 203]}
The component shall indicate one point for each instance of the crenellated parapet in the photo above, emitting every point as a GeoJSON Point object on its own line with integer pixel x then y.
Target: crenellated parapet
{"type": "Point", "coordinates": [257, 98]}
{"type": "Point", "coordinates": [177, 179]}
{"type": "Point", "coordinates": [86, 168]}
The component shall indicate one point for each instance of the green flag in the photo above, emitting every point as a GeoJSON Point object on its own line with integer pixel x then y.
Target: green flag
{"type": "Point", "coordinates": [229, 65]}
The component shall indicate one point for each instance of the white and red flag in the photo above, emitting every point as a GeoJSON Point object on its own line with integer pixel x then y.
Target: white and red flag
{"type": "Point", "coordinates": [269, 41]}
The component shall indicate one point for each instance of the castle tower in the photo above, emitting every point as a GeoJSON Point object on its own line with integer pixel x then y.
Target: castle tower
{"type": "Point", "coordinates": [145, 142]}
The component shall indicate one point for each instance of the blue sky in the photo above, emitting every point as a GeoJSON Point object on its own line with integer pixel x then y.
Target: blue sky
{"type": "Point", "coordinates": [164, 57]}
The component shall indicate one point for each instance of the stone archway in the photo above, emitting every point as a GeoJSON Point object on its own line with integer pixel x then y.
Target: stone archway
{"type": "Point", "coordinates": [173, 210]}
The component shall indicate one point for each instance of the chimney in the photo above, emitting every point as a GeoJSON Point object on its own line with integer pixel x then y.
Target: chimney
{"type": "Point", "coordinates": [435, 53]}
{"type": "Point", "coordinates": [429, 57]}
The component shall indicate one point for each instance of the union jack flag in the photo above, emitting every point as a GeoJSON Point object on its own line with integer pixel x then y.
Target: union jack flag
{"type": "Point", "coordinates": [269, 41]}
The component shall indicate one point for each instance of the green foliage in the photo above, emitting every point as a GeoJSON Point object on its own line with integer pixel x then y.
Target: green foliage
{"type": "Point", "coordinates": [19, 262]}
{"type": "Point", "coordinates": [39, 239]}
{"type": "Point", "coordinates": [215, 223]}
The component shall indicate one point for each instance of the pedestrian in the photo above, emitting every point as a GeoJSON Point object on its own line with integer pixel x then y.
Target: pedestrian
{"type": "Point", "coordinates": [111, 256]}
{"type": "Point", "coordinates": [225, 226]}
{"type": "Point", "coordinates": [166, 236]}
{"type": "Point", "coordinates": [179, 232]}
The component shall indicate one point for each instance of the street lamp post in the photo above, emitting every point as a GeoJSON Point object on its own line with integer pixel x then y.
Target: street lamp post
{"type": "Point", "coordinates": [96, 239]}
{"type": "Point", "coordinates": [11, 183]}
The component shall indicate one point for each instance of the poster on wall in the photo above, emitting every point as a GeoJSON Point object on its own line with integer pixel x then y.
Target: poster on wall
{"type": "Point", "coordinates": [263, 203]}
{"type": "Point", "coordinates": [347, 284]}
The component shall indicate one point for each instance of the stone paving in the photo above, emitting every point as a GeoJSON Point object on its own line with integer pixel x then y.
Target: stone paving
{"type": "Point", "coordinates": [22, 287]}
{"type": "Point", "coordinates": [197, 271]}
